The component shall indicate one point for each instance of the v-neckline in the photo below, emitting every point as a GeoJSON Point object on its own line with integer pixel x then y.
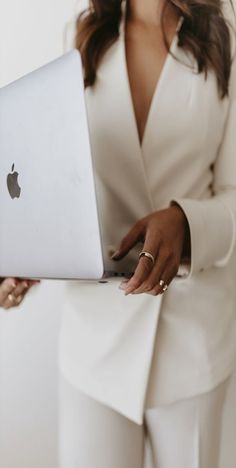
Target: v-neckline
{"type": "Point", "coordinates": [159, 80]}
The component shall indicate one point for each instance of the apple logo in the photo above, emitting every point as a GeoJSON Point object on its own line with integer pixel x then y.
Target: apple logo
{"type": "Point", "coordinates": [12, 183]}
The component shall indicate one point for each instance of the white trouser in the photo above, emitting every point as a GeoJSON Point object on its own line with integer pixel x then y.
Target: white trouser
{"type": "Point", "coordinates": [185, 434]}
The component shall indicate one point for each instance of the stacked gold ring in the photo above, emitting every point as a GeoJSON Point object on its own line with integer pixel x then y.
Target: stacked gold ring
{"type": "Point", "coordinates": [13, 298]}
{"type": "Point", "coordinates": [163, 285]}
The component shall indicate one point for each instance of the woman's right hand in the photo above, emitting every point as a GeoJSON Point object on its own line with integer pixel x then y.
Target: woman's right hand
{"type": "Point", "coordinates": [13, 291]}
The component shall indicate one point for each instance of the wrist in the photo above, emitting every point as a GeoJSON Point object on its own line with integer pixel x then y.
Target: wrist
{"type": "Point", "coordinates": [186, 253]}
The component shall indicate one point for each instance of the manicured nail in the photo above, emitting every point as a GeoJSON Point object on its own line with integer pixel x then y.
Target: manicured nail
{"type": "Point", "coordinates": [128, 291]}
{"type": "Point", "coordinates": [115, 255]}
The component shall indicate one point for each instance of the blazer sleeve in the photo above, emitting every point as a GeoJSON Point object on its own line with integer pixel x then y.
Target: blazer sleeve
{"type": "Point", "coordinates": [212, 222]}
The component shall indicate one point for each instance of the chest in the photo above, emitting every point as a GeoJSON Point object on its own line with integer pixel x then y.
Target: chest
{"type": "Point", "coordinates": [145, 54]}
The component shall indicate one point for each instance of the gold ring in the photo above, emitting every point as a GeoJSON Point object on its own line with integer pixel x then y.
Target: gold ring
{"type": "Point", "coordinates": [148, 255]}
{"type": "Point", "coordinates": [11, 297]}
{"type": "Point", "coordinates": [163, 285]}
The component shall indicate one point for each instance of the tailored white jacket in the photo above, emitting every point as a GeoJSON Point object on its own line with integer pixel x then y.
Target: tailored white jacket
{"type": "Point", "coordinates": [140, 351]}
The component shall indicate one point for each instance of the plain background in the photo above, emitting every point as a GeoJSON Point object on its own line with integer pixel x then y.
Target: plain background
{"type": "Point", "coordinates": [33, 32]}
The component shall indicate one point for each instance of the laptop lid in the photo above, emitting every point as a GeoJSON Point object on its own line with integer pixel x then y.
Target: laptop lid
{"type": "Point", "coordinates": [49, 224]}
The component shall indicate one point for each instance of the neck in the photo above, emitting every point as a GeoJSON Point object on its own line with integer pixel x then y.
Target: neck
{"type": "Point", "coordinates": [148, 11]}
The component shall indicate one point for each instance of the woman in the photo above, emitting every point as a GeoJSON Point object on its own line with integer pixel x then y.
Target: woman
{"type": "Point", "coordinates": [151, 358]}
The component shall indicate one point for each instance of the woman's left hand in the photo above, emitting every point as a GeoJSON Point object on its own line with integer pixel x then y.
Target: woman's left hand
{"type": "Point", "coordinates": [164, 235]}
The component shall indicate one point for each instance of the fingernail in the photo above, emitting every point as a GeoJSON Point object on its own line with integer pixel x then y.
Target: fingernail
{"type": "Point", "coordinates": [25, 284]}
{"type": "Point", "coordinates": [115, 255]}
{"type": "Point", "coordinates": [128, 291]}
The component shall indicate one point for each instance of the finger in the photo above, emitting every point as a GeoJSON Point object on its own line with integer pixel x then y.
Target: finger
{"type": "Point", "coordinates": [164, 281]}
{"type": "Point", "coordinates": [13, 301]}
{"type": "Point", "coordinates": [15, 297]}
{"type": "Point", "coordinates": [134, 236]}
{"type": "Point", "coordinates": [123, 284]}
{"type": "Point", "coordinates": [142, 272]}
{"type": "Point", "coordinates": [7, 286]}
{"type": "Point", "coordinates": [166, 261]}
{"type": "Point", "coordinates": [151, 281]}
{"type": "Point", "coordinates": [168, 275]}
{"type": "Point", "coordinates": [145, 265]}
{"type": "Point", "coordinates": [29, 280]}
{"type": "Point", "coordinates": [32, 281]}
{"type": "Point", "coordinates": [22, 286]}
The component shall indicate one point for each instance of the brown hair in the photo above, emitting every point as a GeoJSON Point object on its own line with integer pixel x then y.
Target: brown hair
{"type": "Point", "coordinates": [205, 33]}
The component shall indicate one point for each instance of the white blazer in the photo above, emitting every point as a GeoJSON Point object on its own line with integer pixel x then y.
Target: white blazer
{"type": "Point", "coordinates": [187, 338]}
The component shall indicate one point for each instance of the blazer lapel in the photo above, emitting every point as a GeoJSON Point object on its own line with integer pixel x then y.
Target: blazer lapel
{"type": "Point", "coordinates": [178, 68]}
{"type": "Point", "coordinates": [114, 131]}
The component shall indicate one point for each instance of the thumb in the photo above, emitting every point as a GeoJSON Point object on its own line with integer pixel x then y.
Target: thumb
{"type": "Point", "coordinates": [134, 236]}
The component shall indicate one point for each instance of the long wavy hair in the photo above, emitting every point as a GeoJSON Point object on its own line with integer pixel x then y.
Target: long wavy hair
{"type": "Point", "coordinates": [205, 33]}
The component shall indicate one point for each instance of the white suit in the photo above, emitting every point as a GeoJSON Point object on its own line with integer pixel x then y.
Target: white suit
{"type": "Point", "coordinates": [188, 155]}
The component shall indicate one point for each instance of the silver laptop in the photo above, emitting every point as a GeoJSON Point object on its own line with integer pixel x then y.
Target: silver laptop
{"type": "Point", "coordinates": [49, 225]}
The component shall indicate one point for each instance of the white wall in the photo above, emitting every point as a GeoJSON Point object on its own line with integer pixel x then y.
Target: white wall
{"type": "Point", "coordinates": [32, 32]}
{"type": "Point", "coordinates": [28, 376]}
